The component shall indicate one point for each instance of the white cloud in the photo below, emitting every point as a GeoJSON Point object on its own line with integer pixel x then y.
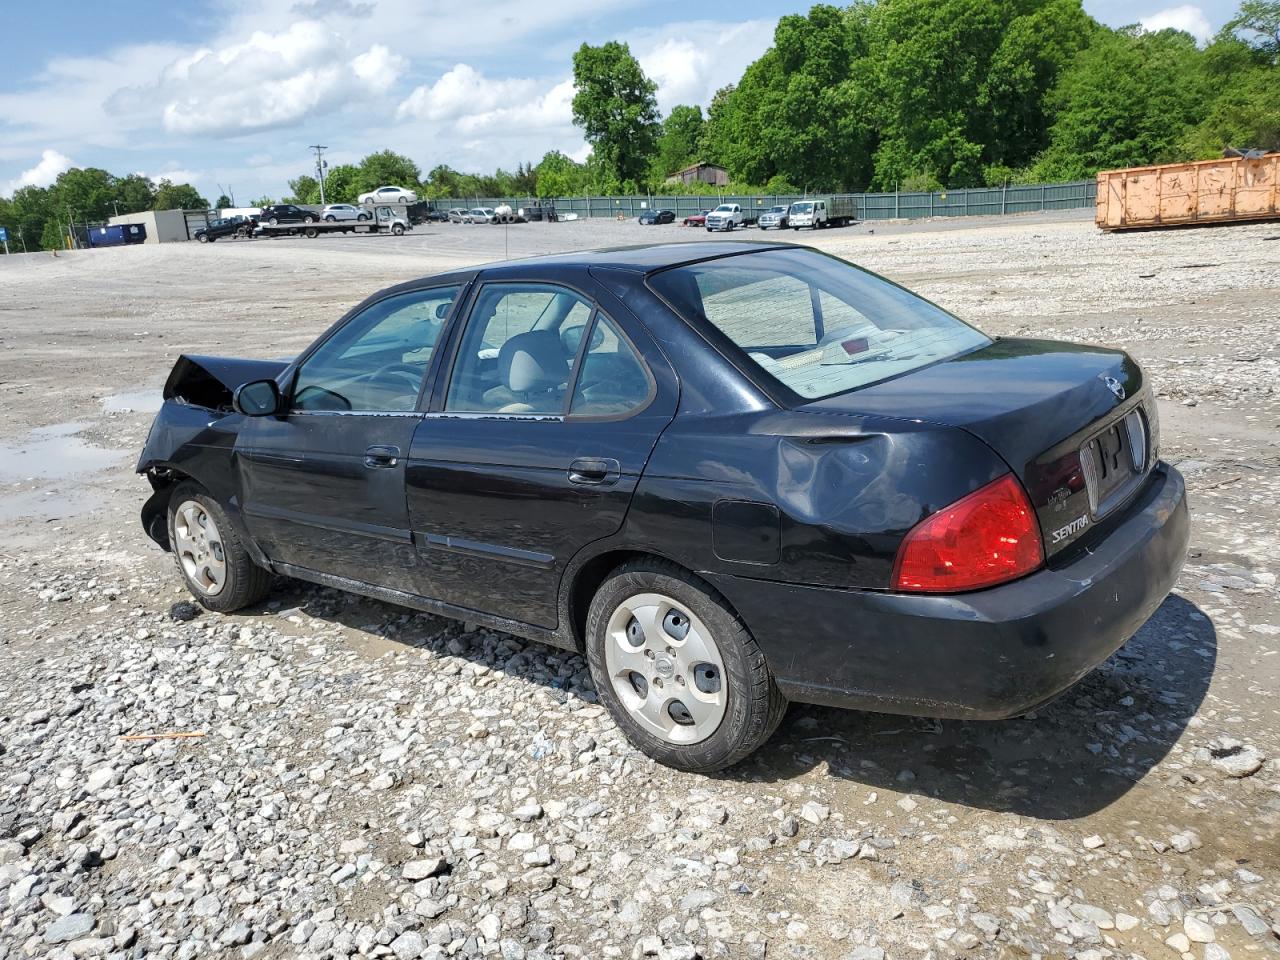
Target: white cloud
{"type": "Point", "coordinates": [461, 92]}
{"type": "Point", "coordinates": [1187, 17]}
{"type": "Point", "coordinates": [42, 174]}
{"type": "Point", "coordinates": [691, 61]}
{"type": "Point", "coordinates": [177, 175]}
{"type": "Point", "coordinates": [271, 80]}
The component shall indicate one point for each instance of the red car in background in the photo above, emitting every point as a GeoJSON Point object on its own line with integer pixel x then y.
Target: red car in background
{"type": "Point", "coordinates": [697, 219]}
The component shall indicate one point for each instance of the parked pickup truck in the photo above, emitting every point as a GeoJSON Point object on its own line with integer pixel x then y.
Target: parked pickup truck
{"type": "Point", "coordinates": [819, 212]}
{"type": "Point", "coordinates": [725, 217]}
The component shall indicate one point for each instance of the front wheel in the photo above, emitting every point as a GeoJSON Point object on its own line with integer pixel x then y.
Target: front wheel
{"type": "Point", "coordinates": [678, 671]}
{"type": "Point", "coordinates": [397, 230]}
{"type": "Point", "coordinates": [214, 564]}
{"type": "Point", "coordinates": [202, 238]}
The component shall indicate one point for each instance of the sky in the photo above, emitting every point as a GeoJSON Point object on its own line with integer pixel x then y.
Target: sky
{"type": "Point", "coordinates": [229, 94]}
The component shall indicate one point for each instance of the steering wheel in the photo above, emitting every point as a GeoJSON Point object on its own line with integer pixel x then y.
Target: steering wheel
{"type": "Point", "coordinates": [411, 375]}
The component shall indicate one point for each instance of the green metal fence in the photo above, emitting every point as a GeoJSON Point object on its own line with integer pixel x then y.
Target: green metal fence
{"type": "Point", "coordinates": [978, 201]}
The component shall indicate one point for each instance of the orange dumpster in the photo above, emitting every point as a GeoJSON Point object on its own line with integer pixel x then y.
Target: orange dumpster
{"type": "Point", "coordinates": [1207, 191]}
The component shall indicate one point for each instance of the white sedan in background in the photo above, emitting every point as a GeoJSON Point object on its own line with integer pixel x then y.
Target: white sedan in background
{"type": "Point", "coordinates": [389, 195]}
{"type": "Point", "coordinates": [343, 211]}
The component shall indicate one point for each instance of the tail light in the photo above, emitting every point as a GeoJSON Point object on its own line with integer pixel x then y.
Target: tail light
{"type": "Point", "coordinates": [990, 536]}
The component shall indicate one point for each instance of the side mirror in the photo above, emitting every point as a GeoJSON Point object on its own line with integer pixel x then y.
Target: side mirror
{"type": "Point", "coordinates": [260, 398]}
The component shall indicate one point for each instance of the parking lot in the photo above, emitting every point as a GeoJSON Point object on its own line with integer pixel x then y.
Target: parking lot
{"type": "Point", "coordinates": [365, 780]}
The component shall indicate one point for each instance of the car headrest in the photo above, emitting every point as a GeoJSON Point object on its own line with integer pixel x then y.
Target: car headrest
{"type": "Point", "coordinates": [533, 361]}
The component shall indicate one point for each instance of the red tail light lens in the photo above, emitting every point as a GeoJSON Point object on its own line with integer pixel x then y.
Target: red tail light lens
{"type": "Point", "coordinates": [989, 537]}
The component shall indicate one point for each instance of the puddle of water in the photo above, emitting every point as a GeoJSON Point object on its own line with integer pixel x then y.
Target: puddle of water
{"type": "Point", "coordinates": [53, 452]}
{"type": "Point", "coordinates": [134, 401]}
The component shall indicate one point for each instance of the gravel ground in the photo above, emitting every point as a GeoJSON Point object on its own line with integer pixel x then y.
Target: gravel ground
{"type": "Point", "coordinates": [367, 781]}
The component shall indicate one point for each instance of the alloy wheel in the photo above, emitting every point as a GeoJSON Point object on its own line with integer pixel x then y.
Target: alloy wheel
{"type": "Point", "coordinates": [199, 547]}
{"type": "Point", "coordinates": [665, 668]}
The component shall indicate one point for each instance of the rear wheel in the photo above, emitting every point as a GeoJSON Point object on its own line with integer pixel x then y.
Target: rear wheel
{"type": "Point", "coordinates": [678, 671]}
{"type": "Point", "coordinates": [331, 218]}
{"type": "Point", "coordinates": [214, 564]}
{"type": "Point", "coordinates": [362, 216]}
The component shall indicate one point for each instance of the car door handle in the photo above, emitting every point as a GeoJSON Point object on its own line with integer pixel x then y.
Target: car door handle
{"type": "Point", "coordinates": [594, 470]}
{"type": "Point", "coordinates": [380, 456]}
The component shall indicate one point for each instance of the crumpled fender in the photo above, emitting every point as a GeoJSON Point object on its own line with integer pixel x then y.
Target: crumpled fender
{"type": "Point", "coordinates": [210, 381]}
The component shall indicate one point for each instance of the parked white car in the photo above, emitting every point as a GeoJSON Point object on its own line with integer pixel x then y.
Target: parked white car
{"type": "Point", "coordinates": [389, 195]}
{"type": "Point", "coordinates": [480, 215]}
{"type": "Point", "coordinates": [343, 211]}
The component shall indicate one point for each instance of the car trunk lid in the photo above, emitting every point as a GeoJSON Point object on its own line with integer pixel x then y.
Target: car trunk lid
{"type": "Point", "coordinates": [1075, 423]}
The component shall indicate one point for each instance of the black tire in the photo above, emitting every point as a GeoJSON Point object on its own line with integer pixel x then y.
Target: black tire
{"type": "Point", "coordinates": [273, 221]}
{"type": "Point", "coordinates": [331, 219]}
{"type": "Point", "coordinates": [308, 219]}
{"type": "Point", "coordinates": [754, 706]}
{"type": "Point", "coordinates": [246, 583]}
{"type": "Point", "coordinates": [310, 232]}
{"type": "Point", "coordinates": [363, 216]}
{"type": "Point", "coordinates": [202, 238]}
{"type": "Point", "coordinates": [397, 230]}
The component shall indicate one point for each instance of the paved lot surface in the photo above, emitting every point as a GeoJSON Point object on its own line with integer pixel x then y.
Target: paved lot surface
{"type": "Point", "coordinates": [376, 782]}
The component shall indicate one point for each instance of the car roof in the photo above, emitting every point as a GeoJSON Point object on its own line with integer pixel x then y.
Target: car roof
{"type": "Point", "coordinates": [645, 258]}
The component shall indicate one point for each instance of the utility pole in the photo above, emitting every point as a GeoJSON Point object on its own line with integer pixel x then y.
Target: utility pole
{"type": "Point", "coordinates": [321, 165]}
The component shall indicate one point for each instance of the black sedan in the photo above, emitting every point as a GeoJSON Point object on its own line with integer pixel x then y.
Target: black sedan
{"type": "Point", "coordinates": [731, 474]}
{"type": "Point", "coordinates": [657, 216]}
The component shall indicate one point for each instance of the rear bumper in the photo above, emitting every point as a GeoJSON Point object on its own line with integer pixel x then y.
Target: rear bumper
{"type": "Point", "coordinates": [988, 655]}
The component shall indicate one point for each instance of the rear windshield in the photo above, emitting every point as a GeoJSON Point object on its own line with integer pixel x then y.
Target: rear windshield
{"type": "Point", "coordinates": [816, 324]}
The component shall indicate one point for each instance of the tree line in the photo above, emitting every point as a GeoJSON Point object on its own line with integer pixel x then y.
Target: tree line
{"type": "Point", "coordinates": [878, 95]}
{"type": "Point", "coordinates": [39, 217]}
{"type": "Point", "coordinates": [910, 95]}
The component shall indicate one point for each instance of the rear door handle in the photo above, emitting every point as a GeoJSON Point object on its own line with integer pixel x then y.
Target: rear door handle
{"type": "Point", "coordinates": [600, 470]}
{"type": "Point", "coordinates": [381, 456]}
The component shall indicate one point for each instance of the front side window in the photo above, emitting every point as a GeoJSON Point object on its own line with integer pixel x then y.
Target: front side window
{"type": "Point", "coordinates": [518, 350]}
{"type": "Point", "coordinates": [817, 325]}
{"type": "Point", "coordinates": [377, 361]}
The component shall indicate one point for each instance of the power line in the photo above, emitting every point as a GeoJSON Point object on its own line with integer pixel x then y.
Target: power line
{"type": "Point", "coordinates": [320, 165]}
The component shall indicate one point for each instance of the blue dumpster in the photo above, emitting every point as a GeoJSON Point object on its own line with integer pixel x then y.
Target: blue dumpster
{"type": "Point", "coordinates": [117, 235]}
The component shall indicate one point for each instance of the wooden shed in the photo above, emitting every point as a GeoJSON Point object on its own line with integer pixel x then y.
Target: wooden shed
{"type": "Point", "coordinates": [1207, 191]}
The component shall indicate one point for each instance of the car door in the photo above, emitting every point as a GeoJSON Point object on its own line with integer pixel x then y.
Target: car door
{"type": "Point", "coordinates": [322, 483]}
{"type": "Point", "coordinates": [533, 446]}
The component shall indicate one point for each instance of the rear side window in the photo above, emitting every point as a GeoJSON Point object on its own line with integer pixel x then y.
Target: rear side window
{"type": "Point", "coordinates": [815, 324]}
{"type": "Point", "coordinates": [613, 380]}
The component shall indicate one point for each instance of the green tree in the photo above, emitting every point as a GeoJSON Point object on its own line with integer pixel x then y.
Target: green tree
{"type": "Point", "coordinates": [342, 183]}
{"type": "Point", "coordinates": [1260, 21]}
{"type": "Point", "coordinates": [134, 193]}
{"type": "Point", "coordinates": [1128, 99]}
{"type": "Point", "coordinates": [305, 189]}
{"type": "Point", "coordinates": [680, 141]}
{"type": "Point", "coordinates": [86, 192]}
{"type": "Point", "coordinates": [223, 202]}
{"type": "Point", "coordinates": [1245, 107]}
{"type": "Point", "coordinates": [388, 168]}
{"type": "Point", "coordinates": [558, 176]}
{"type": "Point", "coordinates": [616, 109]}
{"type": "Point", "coordinates": [178, 196]}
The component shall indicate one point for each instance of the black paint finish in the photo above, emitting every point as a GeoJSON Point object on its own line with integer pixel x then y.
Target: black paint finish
{"type": "Point", "coordinates": [794, 511]}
